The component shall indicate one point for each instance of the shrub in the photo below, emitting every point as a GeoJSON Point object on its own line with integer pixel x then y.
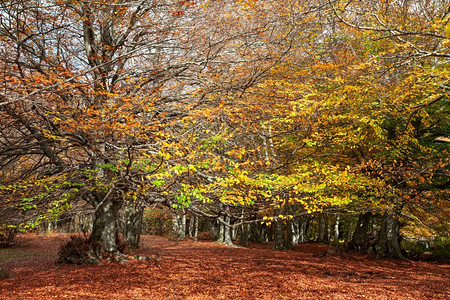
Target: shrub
{"type": "Point", "coordinates": [439, 248]}
{"type": "Point", "coordinates": [205, 235]}
{"type": "Point", "coordinates": [7, 235]}
{"type": "Point", "coordinates": [414, 249]}
{"type": "Point", "coordinates": [78, 251]}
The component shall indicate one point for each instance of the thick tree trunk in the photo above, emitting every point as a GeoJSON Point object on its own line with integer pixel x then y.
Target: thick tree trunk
{"type": "Point", "coordinates": [179, 226]}
{"type": "Point", "coordinates": [254, 233]}
{"type": "Point", "coordinates": [243, 240]}
{"type": "Point", "coordinates": [105, 229]}
{"type": "Point", "coordinates": [132, 225]}
{"type": "Point", "coordinates": [283, 235]}
{"type": "Point", "coordinates": [360, 239]}
{"type": "Point", "coordinates": [386, 242]}
{"type": "Point", "coordinates": [278, 236]}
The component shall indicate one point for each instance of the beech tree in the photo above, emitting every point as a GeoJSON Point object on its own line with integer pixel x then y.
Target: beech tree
{"type": "Point", "coordinates": [239, 111]}
{"type": "Point", "coordinates": [91, 90]}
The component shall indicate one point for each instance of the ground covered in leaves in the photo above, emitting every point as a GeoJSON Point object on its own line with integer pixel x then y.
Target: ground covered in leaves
{"type": "Point", "coordinates": [206, 270]}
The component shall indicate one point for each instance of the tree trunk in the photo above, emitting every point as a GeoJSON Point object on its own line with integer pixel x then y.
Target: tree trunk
{"type": "Point", "coordinates": [105, 229]}
{"type": "Point", "coordinates": [282, 235]}
{"type": "Point", "coordinates": [195, 219]}
{"type": "Point", "coordinates": [132, 225]}
{"type": "Point", "coordinates": [221, 233]}
{"type": "Point", "coordinates": [227, 233]}
{"type": "Point", "coordinates": [295, 231]}
{"type": "Point", "coordinates": [303, 228]}
{"type": "Point", "coordinates": [360, 239]}
{"type": "Point", "coordinates": [323, 228]}
{"type": "Point", "coordinates": [386, 242]}
{"type": "Point", "coordinates": [243, 241]}
{"type": "Point", "coordinates": [191, 226]}
{"type": "Point", "coordinates": [336, 229]}
{"type": "Point", "coordinates": [254, 234]}
{"type": "Point", "coordinates": [179, 225]}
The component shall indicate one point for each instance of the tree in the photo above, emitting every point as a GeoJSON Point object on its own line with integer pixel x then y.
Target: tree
{"type": "Point", "coordinates": [92, 89]}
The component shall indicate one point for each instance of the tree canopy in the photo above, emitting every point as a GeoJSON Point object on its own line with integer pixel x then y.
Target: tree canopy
{"type": "Point", "coordinates": [257, 110]}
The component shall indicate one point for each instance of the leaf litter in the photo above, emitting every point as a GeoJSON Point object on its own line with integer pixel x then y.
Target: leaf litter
{"type": "Point", "coordinates": [207, 270]}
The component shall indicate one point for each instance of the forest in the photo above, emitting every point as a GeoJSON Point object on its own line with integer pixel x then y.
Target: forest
{"type": "Point", "coordinates": [252, 123]}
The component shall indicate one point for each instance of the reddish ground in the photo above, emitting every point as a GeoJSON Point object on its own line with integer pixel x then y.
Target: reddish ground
{"type": "Point", "coordinates": [206, 270]}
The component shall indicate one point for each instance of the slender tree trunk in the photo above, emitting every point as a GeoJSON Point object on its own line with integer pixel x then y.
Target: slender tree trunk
{"type": "Point", "coordinates": [183, 227]}
{"type": "Point", "coordinates": [221, 234]}
{"type": "Point", "coordinates": [288, 235]}
{"type": "Point", "coordinates": [303, 228]}
{"type": "Point", "coordinates": [295, 224]}
{"type": "Point", "coordinates": [336, 229]}
{"type": "Point", "coordinates": [191, 226]}
{"type": "Point", "coordinates": [195, 218]}
{"type": "Point", "coordinates": [386, 242]}
{"type": "Point", "coordinates": [233, 234]}
{"type": "Point", "coordinates": [323, 232]}
{"type": "Point", "coordinates": [227, 233]}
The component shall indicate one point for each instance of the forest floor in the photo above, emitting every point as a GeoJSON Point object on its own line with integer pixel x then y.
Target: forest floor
{"type": "Point", "coordinates": [207, 270]}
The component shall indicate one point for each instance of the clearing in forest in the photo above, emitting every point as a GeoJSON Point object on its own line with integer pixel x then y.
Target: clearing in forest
{"type": "Point", "coordinates": [207, 270]}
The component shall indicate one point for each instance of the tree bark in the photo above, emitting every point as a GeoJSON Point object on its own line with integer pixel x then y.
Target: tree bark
{"type": "Point", "coordinates": [195, 218]}
{"type": "Point", "coordinates": [179, 225]}
{"type": "Point", "coordinates": [336, 229]}
{"type": "Point", "coordinates": [132, 225]}
{"type": "Point", "coordinates": [227, 233]}
{"type": "Point", "coordinates": [360, 239]}
{"type": "Point", "coordinates": [221, 233]}
{"type": "Point", "coordinates": [282, 235]}
{"type": "Point", "coordinates": [105, 229]}
{"type": "Point", "coordinates": [254, 233]}
{"type": "Point", "coordinates": [303, 229]}
{"type": "Point", "coordinates": [387, 240]}
{"type": "Point", "coordinates": [243, 240]}
{"type": "Point", "coordinates": [323, 229]}
{"type": "Point", "coordinates": [191, 226]}
{"type": "Point", "coordinates": [295, 224]}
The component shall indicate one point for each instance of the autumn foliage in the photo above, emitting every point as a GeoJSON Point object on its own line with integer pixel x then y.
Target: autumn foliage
{"type": "Point", "coordinates": [239, 112]}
